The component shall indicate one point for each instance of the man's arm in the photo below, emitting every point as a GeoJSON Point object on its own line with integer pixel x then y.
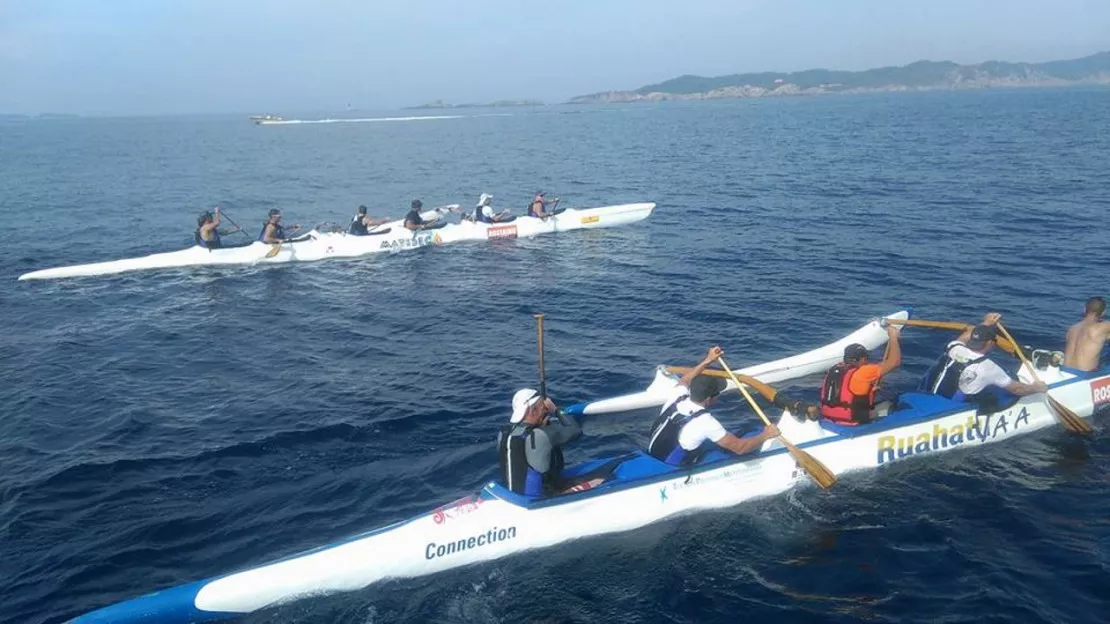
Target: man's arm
{"type": "Point", "coordinates": [268, 235]}
{"type": "Point", "coordinates": [995, 376]}
{"type": "Point", "coordinates": [893, 357]}
{"type": "Point", "coordinates": [710, 357]}
{"type": "Point", "coordinates": [562, 429]}
{"type": "Point", "coordinates": [1022, 389]}
{"type": "Point", "coordinates": [742, 446]}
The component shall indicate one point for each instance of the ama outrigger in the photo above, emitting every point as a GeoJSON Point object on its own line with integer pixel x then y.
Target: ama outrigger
{"type": "Point", "coordinates": [495, 522]}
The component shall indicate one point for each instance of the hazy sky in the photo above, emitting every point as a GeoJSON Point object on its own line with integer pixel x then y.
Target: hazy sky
{"type": "Point", "coordinates": [182, 56]}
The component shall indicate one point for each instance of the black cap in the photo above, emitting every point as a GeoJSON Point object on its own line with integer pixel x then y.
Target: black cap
{"type": "Point", "coordinates": [362, 209]}
{"type": "Point", "coordinates": [274, 212]}
{"type": "Point", "coordinates": [704, 387]}
{"type": "Point", "coordinates": [981, 336]}
{"type": "Point", "coordinates": [854, 352]}
{"type": "Point", "coordinates": [417, 204]}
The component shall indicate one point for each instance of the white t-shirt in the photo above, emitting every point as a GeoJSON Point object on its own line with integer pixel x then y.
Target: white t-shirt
{"type": "Point", "coordinates": [978, 377]}
{"type": "Point", "coordinates": [487, 212]}
{"type": "Point", "coordinates": [698, 430]}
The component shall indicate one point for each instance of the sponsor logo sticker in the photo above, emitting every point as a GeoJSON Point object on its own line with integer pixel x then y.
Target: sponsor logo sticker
{"type": "Point", "coordinates": [593, 219]}
{"type": "Point", "coordinates": [501, 231]}
{"type": "Point", "coordinates": [924, 440]}
{"type": "Point", "coordinates": [1100, 392]}
{"type": "Point", "coordinates": [434, 550]}
{"type": "Point", "coordinates": [458, 508]}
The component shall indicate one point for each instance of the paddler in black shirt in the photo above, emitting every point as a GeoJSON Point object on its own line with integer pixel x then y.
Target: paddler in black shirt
{"type": "Point", "coordinates": [530, 449]}
{"type": "Point", "coordinates": [362, 224]}
{"type": "Point", "coordinates": [272, 230]}
{"type": "Point", "coordinates": [414, 221]}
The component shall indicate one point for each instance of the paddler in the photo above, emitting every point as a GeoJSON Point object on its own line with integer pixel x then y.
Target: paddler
{"type": "Point", "coordinates": [272, 230]}
{"type": "Point", "coordinates": [208, 233]}
{"type": "Point", "coordinates": [965, 373]}
{"type": "Point", "coordinates": [362, 224]}
{"type": "Point", "coordinates": [538, 206]}
{"type": "Point", "coordinates": [685, 430]}
{"type": "Point", "coordinates": [414, 221]}
{"type": "Point", "coordinates": [1087, 338]}
{"type": "Point", "coordinates": [530, 449]}
{"type": "Point", "coordinates": [484, 213]}
{"type": "Point", "coordinates": [848, 392]}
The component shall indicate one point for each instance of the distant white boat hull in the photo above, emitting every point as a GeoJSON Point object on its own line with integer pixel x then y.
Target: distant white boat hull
{"type": "Point", "coordinates": [393, 236]}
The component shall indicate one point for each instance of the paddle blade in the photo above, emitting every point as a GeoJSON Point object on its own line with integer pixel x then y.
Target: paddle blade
{"type": "Point", "coordinates": [813, 467]}
{"type": "Point", "coordinates": [1069, 419]}
{"type": "Point", "coordinates": [273, 252]}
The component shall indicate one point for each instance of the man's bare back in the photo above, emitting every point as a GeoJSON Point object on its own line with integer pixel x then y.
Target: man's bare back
{"type": "Point", "coordinates": [1087, 338]}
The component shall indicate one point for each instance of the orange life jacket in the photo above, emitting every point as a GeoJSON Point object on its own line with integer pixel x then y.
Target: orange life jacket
{"type": "Point", "coordinates": [838, 404]}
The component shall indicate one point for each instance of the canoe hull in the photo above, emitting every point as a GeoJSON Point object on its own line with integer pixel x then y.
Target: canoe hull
{"type": "Point", "coordinates": [495, 523]}
{"type": "Point", "coordinates": [318, 245]}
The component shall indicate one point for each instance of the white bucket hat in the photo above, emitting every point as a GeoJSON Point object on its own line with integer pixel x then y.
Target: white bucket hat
{"type": "Point", "coordinates": [522, 400]}
{"type": "Point", "coordinates": [484, 199]}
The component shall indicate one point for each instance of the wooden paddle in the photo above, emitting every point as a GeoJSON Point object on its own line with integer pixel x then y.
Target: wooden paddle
{"type": "Point", "coordinates": [543, 376]}
{"type": "Point", "coordinates": [822, 475]}
{"type": "Point", "coordinates": [953, 325]}
{"type": "Point", "coordinates": [224, 215]}
{"type": "Point", "coordinates": [766, 391]}
{"type": "Point", "coordinates": [1071, 421]}
{"type": "Point", "coordinates": [274, 251]}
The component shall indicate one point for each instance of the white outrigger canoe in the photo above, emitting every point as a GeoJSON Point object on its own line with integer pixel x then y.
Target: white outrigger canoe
{"type": "Point", "coordinates": [317, 245]}
{"type": "Point", "coordinates": [495, 522]}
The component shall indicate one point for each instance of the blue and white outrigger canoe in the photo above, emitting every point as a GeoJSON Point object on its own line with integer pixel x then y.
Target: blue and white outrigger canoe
{"type": "Point", "coordinates": [495, 522]}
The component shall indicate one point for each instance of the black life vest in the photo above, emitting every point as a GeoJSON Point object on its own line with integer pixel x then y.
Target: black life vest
{"type": "Point", "coordinates": [838, 404]}
{"type": "Point", "coordinates": [516, 473]}
{"type": "Point", "coordinates": [664, 445]}
{"type": "Point", "coordinates": [943, 377]}
{"type": "Point", "coordinates": [212, 244]}
{"type": "Point", "coordinates": [358, 228]}
{"type": "Point", "coordinates": [479, 216]}
{"type": "Point", "coordinates": [279, 232]}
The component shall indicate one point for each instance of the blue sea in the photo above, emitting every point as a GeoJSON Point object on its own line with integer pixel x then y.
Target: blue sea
{"type": "Point", "coordinates": [163, 427]}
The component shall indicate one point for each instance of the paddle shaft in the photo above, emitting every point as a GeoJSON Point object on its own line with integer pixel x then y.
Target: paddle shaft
{"type": "Point", "coordinates": [539, 340]}
{"type": "Point", "coordinates": [953, 325]}
{"type": "Point", "coordinates": [1020, 352]}
{"type": "Point", "coordinates": [223, 215]}
{"type": "Point", "coordinates": [744, 390]}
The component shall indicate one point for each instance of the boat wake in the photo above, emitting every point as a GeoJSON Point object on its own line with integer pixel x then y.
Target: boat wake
{"type": "Point", "coordinates": [290, 122]}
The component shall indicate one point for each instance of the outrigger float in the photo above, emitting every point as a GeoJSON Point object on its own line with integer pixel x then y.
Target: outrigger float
{"type": "Point", "coordinates": [393, 236]}
{"type": "Point", "coordinates": [495, 522]}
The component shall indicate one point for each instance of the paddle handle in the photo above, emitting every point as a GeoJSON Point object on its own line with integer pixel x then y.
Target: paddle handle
{"type": "Point", "coordinates": [744, 390]}
{"type": "Point", "coordinates": [539, 342]}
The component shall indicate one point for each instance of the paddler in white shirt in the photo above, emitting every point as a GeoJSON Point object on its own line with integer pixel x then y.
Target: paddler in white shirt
{"type": "Point", "coordinates": [685, 429]}
{"type": "Point", "coordinates": [965, 373]}
{"type": "Point", "coordinates": [484, 212]}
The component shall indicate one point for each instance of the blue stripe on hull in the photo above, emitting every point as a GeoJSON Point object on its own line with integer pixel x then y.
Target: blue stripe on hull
{"type": "Point", "coordinates": [164, 607]}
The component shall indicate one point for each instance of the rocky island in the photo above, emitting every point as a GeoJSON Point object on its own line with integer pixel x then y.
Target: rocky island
{"type": "Point", "coordinates": [919, 76]}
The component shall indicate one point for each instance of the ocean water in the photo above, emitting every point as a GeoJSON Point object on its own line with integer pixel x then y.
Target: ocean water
{"type": "Point", "coordinates": [163, 427]}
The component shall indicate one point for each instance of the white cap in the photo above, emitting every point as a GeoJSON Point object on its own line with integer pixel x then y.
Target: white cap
{"type": "Point", "coordinates": [522, 400]}
{"type": "Point", "coordinates": [484, 199]}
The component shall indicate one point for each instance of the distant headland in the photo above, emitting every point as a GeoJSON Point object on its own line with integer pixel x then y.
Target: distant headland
{"type": "Point", "coordinates": [439, 104]}
{"type": "Point", "coordinates": [919, 76]}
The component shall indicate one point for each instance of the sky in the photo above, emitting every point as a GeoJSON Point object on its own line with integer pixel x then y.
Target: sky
{"type": "Point", "coordinates": [123, 57]}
